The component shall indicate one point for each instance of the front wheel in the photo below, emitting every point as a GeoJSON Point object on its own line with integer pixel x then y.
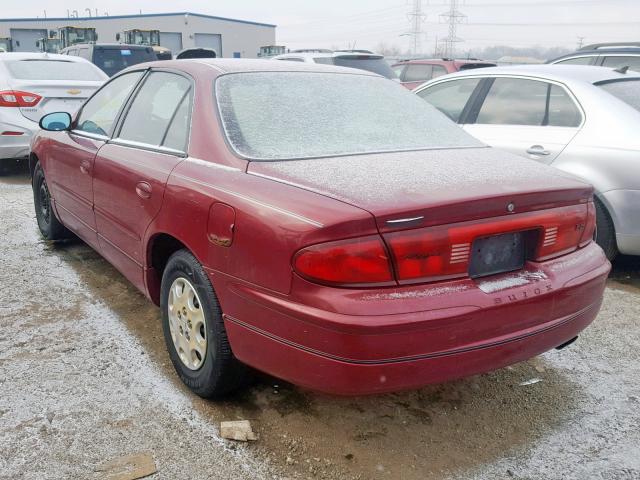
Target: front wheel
{"type": "Point", "coordinates": [194, 330]}
{"type": "Point", "coordinates": [49, 225]}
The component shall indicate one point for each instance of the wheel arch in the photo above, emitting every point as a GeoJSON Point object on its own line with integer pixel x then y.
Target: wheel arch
{"type": "Point", "coordinates": [33, 161]}
{"type": "Point", "coordinates": [160, 246]}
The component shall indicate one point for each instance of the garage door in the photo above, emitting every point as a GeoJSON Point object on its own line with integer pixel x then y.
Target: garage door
{"type": "Point", "coordinates": [24, 39]}
{"type": "Point", "coordinates": [172, 41]}
{"type": "Point", "coordinates": [209, 40]}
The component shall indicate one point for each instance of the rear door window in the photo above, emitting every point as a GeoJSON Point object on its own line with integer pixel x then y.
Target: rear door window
{"type": "Point", "coordinates": [450, 97]}
{"type": "Point", "coordinates": [438, 71]}
{"type": "Point", "coordinates": [632, 62]}
{"type": "Point", "coordinates": [157, 105]}
{"type": "Point", "coordinates": [514, 101]}
{"type": "Point", "coordinates": [418, 72]}
{"type": "Point", "coordinates": [99, 114]}
{"type": "Point", "coordinates": [517, 101]}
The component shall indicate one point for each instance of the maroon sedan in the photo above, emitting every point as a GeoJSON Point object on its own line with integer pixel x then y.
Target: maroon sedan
{"type": "Point", "coordinates": [321, 224]}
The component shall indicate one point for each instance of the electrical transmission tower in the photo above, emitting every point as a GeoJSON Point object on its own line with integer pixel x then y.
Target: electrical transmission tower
{"type": "Point", "coordinates": [453, 17]}
{"type": "Point", "coordinates": [416, 17]}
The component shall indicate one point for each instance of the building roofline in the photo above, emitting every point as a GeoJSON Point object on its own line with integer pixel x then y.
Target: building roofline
{"type": "Point", "coordinates": [142, 15]}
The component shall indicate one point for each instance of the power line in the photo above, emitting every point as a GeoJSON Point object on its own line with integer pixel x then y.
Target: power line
{"type": "Point", "coordinates": [453, 17]}
{"type": "Point", "coordinates": [417, 18]}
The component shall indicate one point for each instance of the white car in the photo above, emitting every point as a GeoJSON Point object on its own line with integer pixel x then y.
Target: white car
{"type": "Point", "coordinates": [580, 119]}
{"type": "Point", "coordinates": [362, 60]}
{"type": "Point", "coordinates": [34, 84]}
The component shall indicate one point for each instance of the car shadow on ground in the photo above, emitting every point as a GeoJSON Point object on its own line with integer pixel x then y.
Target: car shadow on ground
{"type": "Point", "coordinates": [419, 434]}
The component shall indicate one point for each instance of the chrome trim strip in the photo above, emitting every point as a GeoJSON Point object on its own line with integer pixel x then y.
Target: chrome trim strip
{"type": "Point", "coordinates": [404, 220]}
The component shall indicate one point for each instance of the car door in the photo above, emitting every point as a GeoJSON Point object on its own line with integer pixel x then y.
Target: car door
{"type": "Point", "coordinates": [531, 118]}
{"type": "Point", "coordinates": [72, 155]}
{"type": "Point", "coordinates": [131, 170]}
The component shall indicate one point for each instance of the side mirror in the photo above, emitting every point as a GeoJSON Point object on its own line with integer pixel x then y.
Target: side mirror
{"type": "Point", "coordinates": [56, 122]}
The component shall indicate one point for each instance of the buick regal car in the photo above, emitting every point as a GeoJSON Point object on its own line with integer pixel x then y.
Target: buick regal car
{"type": "Point", "coordinates": [281, 220]}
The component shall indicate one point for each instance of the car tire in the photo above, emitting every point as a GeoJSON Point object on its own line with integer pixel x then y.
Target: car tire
{"type": "Point", "coordinates": [605, 231]}
{"type": "Point", "coordinates": [194, 330]}
{"type": "Point", "coordinates": [49, 225]}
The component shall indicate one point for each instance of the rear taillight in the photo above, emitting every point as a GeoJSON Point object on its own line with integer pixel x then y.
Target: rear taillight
{"type": "Point", "coordinates": [356, 262]}
{"type": "Point", "coordinates": [442, 252]}
{"type": "Point", "coordinates": [439, 253]}
{"type": "Point", "coordinates": [17, 98]}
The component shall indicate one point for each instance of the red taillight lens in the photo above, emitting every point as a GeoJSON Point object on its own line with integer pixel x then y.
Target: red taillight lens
{"type": "Point", "coordinates": [356, 262]}
{"type": "Point", "coordinates": [444, 252]}
{"type": "Point", "coordinates": [17, 98]}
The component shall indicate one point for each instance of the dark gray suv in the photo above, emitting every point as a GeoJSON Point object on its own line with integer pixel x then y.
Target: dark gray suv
{"type": "Point", "coordinates": [112, 57]}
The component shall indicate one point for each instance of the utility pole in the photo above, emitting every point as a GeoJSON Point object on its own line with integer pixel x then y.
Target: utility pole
{"type": "Point", "coordinates": [453, 17]}
{"type": "Point", "coordinates": [416, 17]}
{"type": "Point", "coordinates": [580, 42]}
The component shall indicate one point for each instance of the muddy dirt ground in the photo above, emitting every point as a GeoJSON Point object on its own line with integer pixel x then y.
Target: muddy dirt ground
{"type": "Point", "coordinates": [85, 379]}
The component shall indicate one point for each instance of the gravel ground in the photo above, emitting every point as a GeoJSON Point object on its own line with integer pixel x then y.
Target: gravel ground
{"type": "Point", "coordinates": [85, 379]}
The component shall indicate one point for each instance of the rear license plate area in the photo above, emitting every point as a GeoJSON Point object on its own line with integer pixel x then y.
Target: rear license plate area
{"type": "Point", "coordinates": [499, 254]}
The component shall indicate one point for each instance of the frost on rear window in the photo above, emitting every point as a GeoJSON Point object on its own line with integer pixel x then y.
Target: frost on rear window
{"type": "Point", "coordinates": [627, 90]}
{"type": "Point", "coordinates": [286, 115]}
{"type": "Point", "coordinates": [53, 70]}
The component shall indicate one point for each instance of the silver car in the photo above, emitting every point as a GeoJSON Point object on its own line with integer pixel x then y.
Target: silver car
{"type": "Point", "coordinates": [583, 120]}
{"type": "Point", "coordinates": [34, 84]}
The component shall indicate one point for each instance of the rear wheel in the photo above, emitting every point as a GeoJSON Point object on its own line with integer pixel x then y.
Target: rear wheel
{"type": "Point", "coordinates": [49, 225]}
{"type": "Point", "coordinates": [605, 231]}
{"type": "Point", "coordinates": [194, 330]}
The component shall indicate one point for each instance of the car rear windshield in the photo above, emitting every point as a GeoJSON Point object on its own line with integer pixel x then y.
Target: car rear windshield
{"type": "Point", "coordinates": [112, 60]}
{"type": "Point", "coordinates": [287, 115]}
{"type": "Point", "coordinates": [626, 90]}
{"type": "Point", "coordinates": [53, 70]}
{"type": "Point", "coordinates": [366, 62]}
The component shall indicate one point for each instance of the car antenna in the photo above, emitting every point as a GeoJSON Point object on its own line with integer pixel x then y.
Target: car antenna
{"type": "Point", "coordinates": [622, 69]}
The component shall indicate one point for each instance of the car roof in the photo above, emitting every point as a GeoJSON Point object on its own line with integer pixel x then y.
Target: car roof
{"type": "Point", "coordinates": [605, 50]}
{"type": "Point", "coordinates": [559, 73]}
{"type": "Point", "coordinates": [235, 65]}
{"type": "Point", "coordinates": [441, 61]}
{"type": "Point", "coordinates": [39, 56]}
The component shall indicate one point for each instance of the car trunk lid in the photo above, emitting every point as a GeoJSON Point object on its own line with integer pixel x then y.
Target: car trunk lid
{"type": "Point", "coordinates": [432, 187]}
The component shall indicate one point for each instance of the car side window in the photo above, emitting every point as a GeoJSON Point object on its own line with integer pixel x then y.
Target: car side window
{"type": "Point", "coordinates": [438, 71]}
{"type": "Point", "coordinates": [155, 107]}
{"type": "Point", "coordinates": [576, 61]}
{"type": "Point", "coordinates": [514, 101]}
{"type": "Point", "coordinates": [99, 114]}
{"type": "Point", "coordinates": [563, 111]}
{"type": "Point", "coordinates": [632, 62]}
{"type": "Point", "coordinates": [84, 53]}
{"type": "Point", "coordinates": [177, 134]}
{"type": "Point", "coordinates": [398, 69]}
{"type": "Point", "coordinates": [450, 97]}
{"type": "Point", "coordinates": [418, 72]}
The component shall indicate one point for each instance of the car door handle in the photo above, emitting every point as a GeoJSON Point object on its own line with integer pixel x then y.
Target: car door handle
{"type": "Point", "coordinates": [85, 167]}
{"type": "Point", "coordinates": [537, 150]}
{"type": "Point", "coordinates": [143, 190]}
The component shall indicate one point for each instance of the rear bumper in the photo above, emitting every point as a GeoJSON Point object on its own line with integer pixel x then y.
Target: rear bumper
{"type": "Point", "coordinates": [624, 206]}
{"type": "Point", "coordinates": [457, 332]}
{"type": "Point", "coordinates": [16, 146]}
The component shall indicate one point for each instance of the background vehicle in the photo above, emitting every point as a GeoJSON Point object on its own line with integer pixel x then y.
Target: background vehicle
{"type": "Point", "coordinates": [364, 61]}
{"type": "Point", "coordinates": [34, 84]}
{"type": "Point", "coordinates": [583, 120]}
{"type": "Point", "coordinates": [148, 38]}
{"type": "Point", "coordinates": [413, 73]}
{"type": "Point", "coordinates": [5, 44]}
{"type": "Point", "coordinates": [75, 35]}
{"type": "Point", "coordinates": [268, 51]}
{"type": "Point", "coordinates": [49, 45]}
{"type": "Point", "coordinates": [613, 55]}
{"type": "Point", "coordinates": [196, 52]}
{"type": "Point", "coordinates": [112, 57]}
{"type": "Point", "coordinates": [312, 238]}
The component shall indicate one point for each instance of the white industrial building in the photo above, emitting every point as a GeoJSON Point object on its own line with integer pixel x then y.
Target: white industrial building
{"type": "Point", "coordinates": [229, 37]}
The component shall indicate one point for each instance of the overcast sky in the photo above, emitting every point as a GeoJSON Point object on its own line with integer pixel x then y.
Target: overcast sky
{"type": "Point", "coordinates": [367, 23]}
